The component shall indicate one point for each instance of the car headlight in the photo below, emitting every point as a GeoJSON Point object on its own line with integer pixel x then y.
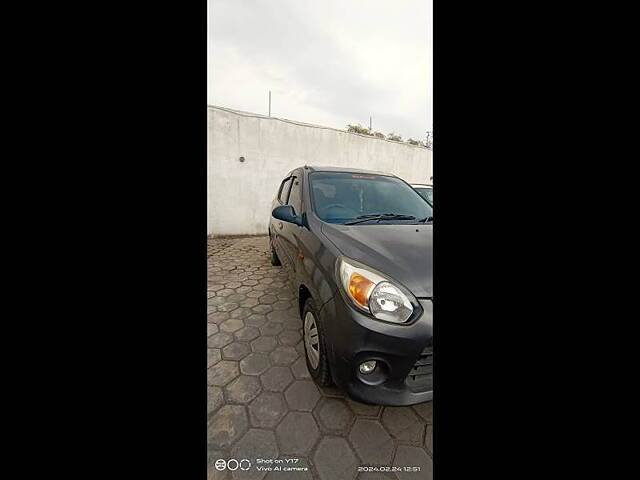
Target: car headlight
{"type": "Point", "coordinates": [373, 293]}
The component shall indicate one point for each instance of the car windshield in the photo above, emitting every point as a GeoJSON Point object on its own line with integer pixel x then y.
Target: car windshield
{"type": "Point", "coordinates": [427, 193]}
{"type": "Point", "coordinates": [339, 197]}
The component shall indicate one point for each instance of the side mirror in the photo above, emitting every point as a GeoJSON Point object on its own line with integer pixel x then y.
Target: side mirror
{"type": "Point", "coordinates": [286, 214]}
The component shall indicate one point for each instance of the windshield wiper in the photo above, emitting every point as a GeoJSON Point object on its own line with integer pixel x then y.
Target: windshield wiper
{"type": "Point", "coordinates": [380, 216]}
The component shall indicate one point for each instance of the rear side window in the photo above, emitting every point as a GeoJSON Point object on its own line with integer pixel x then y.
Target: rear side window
{"type": "Point", "coordinates": [295, 198]}
{"type": "Point", "coordinates": [285, 186]}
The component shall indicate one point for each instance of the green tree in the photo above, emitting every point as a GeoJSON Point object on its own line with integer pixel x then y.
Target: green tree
{"type": "Point", "coordinates": [359, 129]}
{"type": "Point", "coordinates": [394, 137]}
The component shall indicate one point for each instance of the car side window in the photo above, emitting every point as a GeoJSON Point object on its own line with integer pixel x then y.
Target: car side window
{"type": "Point", "coordinates": [295, 197]}
{"type": "Point", "coordinates": [283, 193]}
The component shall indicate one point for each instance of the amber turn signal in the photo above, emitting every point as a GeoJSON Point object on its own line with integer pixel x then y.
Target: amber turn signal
{"type": "Point", "coordinates": [359, 288]}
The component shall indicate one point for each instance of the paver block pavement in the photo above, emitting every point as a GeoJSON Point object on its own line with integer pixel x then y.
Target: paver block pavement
{"type": "Point", "coordinates": [297, 433]}
{"type": "Point", "coordinates": [372, 443]}
{"type": "Point", "coordinates": [222, 373]}
{"type": "Point", "coordinates": [227, 425]}
{"type": "Point", "coordinates": [410, 456]}
{"type": "Point", "coordinates": [403, 424]}
{"type": "Point", "coordinates": [267, 410]}
{"type": "Point", "coordinates": [261, 396]}
{"type": "Point", "coordinates": [302, 395]}
{"type": "Point", "coordinates": [334, 415]}
{"type": "Point", "coordinates": [276, 379]}
{"type": "Point", "coordinates": [335, 459]}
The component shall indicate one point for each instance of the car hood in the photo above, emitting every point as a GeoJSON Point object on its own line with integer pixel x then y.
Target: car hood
{"type": "Point", "coordinates": [403, 252]}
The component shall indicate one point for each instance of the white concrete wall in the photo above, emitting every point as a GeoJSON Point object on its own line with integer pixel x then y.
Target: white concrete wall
{"type": "Point", "coordinates": [239, 194]}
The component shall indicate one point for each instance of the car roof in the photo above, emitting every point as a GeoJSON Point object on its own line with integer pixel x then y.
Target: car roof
{"type": "Point", "coordinates": [344, 170]}
{"type": "Point", "coordinates": [421, 185]}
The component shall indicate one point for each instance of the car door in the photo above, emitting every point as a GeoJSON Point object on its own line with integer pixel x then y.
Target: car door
{"type": "Point", "coordinates": [290, 231]}
{"type": "Point", "coordinates": [277, 226]}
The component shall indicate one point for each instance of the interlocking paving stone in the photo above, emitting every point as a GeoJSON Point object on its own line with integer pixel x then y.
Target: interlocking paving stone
{"type": "Point", "coordinates": [334, 459]}
{"type": "Point", "coordinates": [299, 369]}
{"type": "Point", "coordinates": [292, 324]}
{"type": "Point", "coordinates": [276, 379]}
{"type": "Point", "coordinates": [241, 312]}
{"type": "Point", "coordinates": [285, 295]}
{"type": "Point", "coordinates": [249, 302]}
{"type": "Point", "coordinates": [246, 334]}
{"type": "Point", "coordinates": [222, 373]}
{"type": "Point", "coordinates": [227, 425]}
{"type": "Point", "coordinates": [228, 307]}
{"type": "Point", "coordinates": [302, 395]}
{"type": "Point", "coordinates": [297, 433]}
{"type": "Point", "coordinates": [334, 414]}
{"type": "Point", "coordinates": [268, 299]}
{"type": "Point", "coordinates": [428, 440]}
{"type": "Point", "coordinates": [283, 355]}
{"type": "Point", "coordinates": [290, 337]}
{"type": "Point", "coordinates": [243, 389]}
{"type": "Point", "coordinates": [255, 444]}
{"type": "Point", "coordinates": [219, 340]}
{"type": "Point", "coordinates": [211, 329]}
{"type": "Point", "coordinates": [402, 423]}
{"type": "Point", "coordinates": [231, 325]}
{"type": "Point", "coordinates": [282, 315]}
{"type": "Point", "coordinates": [267, 410]}
{"type": "Point", "coordinates": [409, 456]}
{"type": "Point", "coordinates": [281, 305]}
{"type": "Point", "coordinates": [216, 301]}
{"type": "Point", "coordinates": [271, 328]}
{"type": "Point", "coordinates": [255, 320]}
{"type": "Point", "coordinates": [215, 400]}
{"type": "Point", "coordinates": [218, 317]}
{"type": "Point", "coordinates": [236, 351]}
{"type": "Point", "coordinates": [264, 344]}
{"type": "Point", "coordinates": [363, 409]}
{"type": "Point", "coordinates": [261, 309]}
{"type": "Point", "coordinates": [372, 443]}
{"type": "Point", "coordinates": [254, 364]}
{"type": "Point", "coordinates": [425, 410]}
{"type": "Point", "coordinates": [236, 298]}
{"type": "Point", "coordinates": [213, 356]}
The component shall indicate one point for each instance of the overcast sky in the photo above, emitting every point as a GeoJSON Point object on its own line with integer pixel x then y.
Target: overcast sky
{"type": "Point", "coordinates": [328, 62]}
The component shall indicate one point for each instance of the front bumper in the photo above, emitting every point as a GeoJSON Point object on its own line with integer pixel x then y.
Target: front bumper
{"type": "Point", "coordinates": [404, 354]}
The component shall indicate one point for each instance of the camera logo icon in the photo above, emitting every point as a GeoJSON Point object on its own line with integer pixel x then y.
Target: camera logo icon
{"type": "Point", "coordinates": [233, 464]}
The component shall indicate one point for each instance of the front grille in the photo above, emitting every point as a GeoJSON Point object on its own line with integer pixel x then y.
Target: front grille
{"type": "Point", "coordinates": [420, 378]}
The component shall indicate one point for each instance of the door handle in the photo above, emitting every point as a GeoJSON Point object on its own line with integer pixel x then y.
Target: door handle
{"type": "Point", "coordinates": [280, 225]}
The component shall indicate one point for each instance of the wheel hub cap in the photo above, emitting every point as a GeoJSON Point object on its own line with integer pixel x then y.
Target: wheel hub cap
{"type": "Point", "coordinates": [311, 340]}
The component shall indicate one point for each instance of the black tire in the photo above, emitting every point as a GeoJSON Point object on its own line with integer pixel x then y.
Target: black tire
{"type": "Point", "coordinates": [321, 374]}
{"type": "Point", "coordinates": [275, 260]}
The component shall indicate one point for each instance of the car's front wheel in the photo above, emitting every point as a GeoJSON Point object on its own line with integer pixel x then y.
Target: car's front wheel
{"type": "Point", "coordinates": [314, 345]}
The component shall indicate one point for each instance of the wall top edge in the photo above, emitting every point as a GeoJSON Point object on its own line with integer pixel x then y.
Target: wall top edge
{"type": "Point", "coordinates": [310, 125]}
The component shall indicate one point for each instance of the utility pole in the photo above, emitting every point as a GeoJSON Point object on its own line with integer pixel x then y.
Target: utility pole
{"type": "Point", "coordinates": [369, 124]}
{"type": "Point", "coordinates": [269, 102]}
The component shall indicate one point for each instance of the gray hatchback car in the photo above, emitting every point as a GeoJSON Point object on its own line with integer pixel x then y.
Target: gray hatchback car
{"type": "Point", "coordinates": [358, 248]}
